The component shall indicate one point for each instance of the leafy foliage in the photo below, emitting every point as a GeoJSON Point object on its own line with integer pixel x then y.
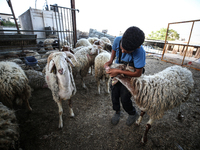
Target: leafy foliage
{"type": "Point", "coordinates": [8, 23]}
{"type": "Point", "coordinates": [161, 34]}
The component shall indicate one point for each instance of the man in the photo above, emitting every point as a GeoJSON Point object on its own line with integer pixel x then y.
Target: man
{"type": "Point", "coordinates": [128, 50]}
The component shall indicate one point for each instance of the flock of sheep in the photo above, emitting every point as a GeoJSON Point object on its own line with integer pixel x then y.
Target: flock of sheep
{"type": "Point", "coordinates": [154, 94]}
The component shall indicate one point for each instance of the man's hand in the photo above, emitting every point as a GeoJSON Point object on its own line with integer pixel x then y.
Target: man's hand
{"type": "Point", "coordinates": [113, 72]}
{"type": "Point", "coordinates": [107, 64]}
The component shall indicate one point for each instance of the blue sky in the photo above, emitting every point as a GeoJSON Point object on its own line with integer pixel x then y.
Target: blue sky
{"type": "Point", "coordinates": [116, 16]}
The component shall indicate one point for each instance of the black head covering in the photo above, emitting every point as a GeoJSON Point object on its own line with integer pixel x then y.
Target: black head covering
{"type": "Point", "coordinates": [132, 38]}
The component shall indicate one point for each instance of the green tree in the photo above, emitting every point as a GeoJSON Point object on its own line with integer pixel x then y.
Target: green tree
{"type": "Point", "coordinates": [8, 23]}
{"type": "Point", "coordinates": [161, 34]}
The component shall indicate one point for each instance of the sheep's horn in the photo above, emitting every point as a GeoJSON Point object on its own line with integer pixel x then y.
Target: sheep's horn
{"type": "Point", "coordinates": [69, 54]}
{"type": "Point", "coordinates": [69, 60]}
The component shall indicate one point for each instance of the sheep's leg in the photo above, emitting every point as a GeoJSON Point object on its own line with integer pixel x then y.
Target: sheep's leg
{"type": "Point", "coordinates": [148, 126]}
{"type": "Point", "coordinates": [83, 84]}
{"type": "Point", "coordinates": [91, 69]}
{"type": "Point", "coordinates": [180, 116]}
{"type": "Point", "coordinates": [60, 110]}
{"type": "Point", "coordinates": [140, 118]}
{"type": "Point", "coordinates": [70, 108]}
{"type": "Point", "coordinates": [28, 105]}
{"type": "Point", "coordinates": [98, 86]}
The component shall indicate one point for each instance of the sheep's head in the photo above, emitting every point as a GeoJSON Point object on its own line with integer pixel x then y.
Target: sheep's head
{"type": "Point", "coordinates": [95, 49]}
{"type": "Point", "coordinates": [104, 45]}
{"type": "Point", "coordinates": [67, 48]}
{"type": "Point", "coordinates": [108, 47]}
{"type": "Point", "coordinates": [58, 61]}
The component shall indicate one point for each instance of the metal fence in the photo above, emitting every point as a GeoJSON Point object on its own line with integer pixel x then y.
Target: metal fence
{"type": "Point", "coordinates": [58, 26]}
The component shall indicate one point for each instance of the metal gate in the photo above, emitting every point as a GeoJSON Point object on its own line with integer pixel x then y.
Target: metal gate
{"type": "Point", "coordinates": [38, 26]}
{"type": "Point", "coordinates": [65, 24]}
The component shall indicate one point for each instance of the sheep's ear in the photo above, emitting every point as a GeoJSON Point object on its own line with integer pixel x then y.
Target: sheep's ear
{"type": "Point", "coordinates": [49, 59]}
{"type": "Point", "coordinates": [51, 65]}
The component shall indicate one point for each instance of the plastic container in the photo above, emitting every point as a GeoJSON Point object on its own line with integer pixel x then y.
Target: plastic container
{"type": "Point", "coordinates": [31, 61]}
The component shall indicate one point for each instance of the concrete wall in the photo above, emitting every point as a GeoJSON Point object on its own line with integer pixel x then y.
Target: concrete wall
{"type": "Point", "coordinates": [8, 28]}
{"type": "Point", "coordinates": [36, 19]}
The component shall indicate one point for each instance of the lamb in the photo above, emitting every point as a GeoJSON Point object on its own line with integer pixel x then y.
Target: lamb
{"type": "Point", "coordinates": [82, 42]}
{"type": "Point", "coordinates": [100, 72]}
{"type": "Point", "coordinates": [155, 94]}
{"type": "Point", "coordinates": [9, 129]}
{"type": "Point", "coordinates": [60, 80]}
{"type": "Point", "coordinates": [85, 59]}
{"type": "Point", "coordinates": [14, 87]}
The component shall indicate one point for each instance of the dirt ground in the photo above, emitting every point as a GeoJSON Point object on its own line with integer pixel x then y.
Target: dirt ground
{"type": "Point", "coordinates": [91, 128]}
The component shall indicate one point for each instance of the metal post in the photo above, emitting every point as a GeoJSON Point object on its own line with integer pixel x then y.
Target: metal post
{"type": "Point", "coordinates": [60, 40]}
{"type": "Point", "coordinates": [10, 5]}
{"type": "Point", "coordinates": [74, 21]}
{"type": "Point", "coordinates": [165, 41]}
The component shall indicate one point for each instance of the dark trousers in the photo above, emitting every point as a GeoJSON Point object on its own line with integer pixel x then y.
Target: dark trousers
{"type": "Point", "coordinates": [119, 90]}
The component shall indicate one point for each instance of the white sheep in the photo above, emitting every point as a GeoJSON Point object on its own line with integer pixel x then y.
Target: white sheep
{"type": "Point", "coordinates": [155, 94]}
{"type": "Point", "coordinates": [36, 79]}
{"type": "Point", "coordinates": [16, 60]}
{"type": "Point", "coordinates": [92, 39]}
{"type": "Point", "coordinates": [85, 59]}
{"type": "Point", "coordinates": [48, 44]}
{"type": "Point", "coordinates": [105, 39]}
{"type": "Point", "coordinates": [32, 53]}
{"type": "Point", "coordinates": [100, 72]}
{"type": "Point", "coordinates": [48, 53]}
{"type": "Point", "coordinates": [14, 87]}
{"type": "Point", "coordinates": [60, 80]}
{"type": "Point", "coordinates": [9, 129]}
{"type": "Point", "coordinates": [42, 62]}
{"type": "Point", "coordinates": [77, 49]}
{"type": "Point", "coordinates": [82, 42]}
{"type": "Point", "coordinates": [106, 46]}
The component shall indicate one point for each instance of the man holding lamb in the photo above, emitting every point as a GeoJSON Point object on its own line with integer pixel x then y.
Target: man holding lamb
{"type": "Point", "coordinates": [128, 50]}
